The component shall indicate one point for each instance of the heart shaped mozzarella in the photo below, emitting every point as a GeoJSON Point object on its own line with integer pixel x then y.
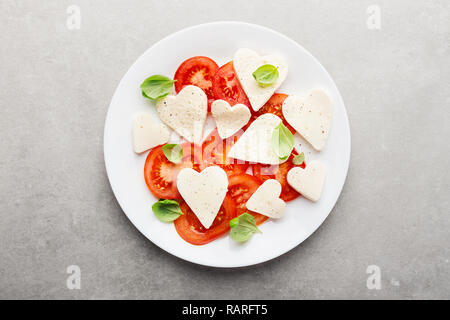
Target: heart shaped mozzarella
{"type": "Point", "coordinates": [203, 192]}
{"type": "Point", "coordinates": [229, 119]}
{"type": "Point", "coordinates": [255, 145]}
{"type": "Point", "coordinates": [185, 113]}
{"type": "Point", "coordinates": [266, 200]}
{"type": "Point", "coordinates": [311, 117]}
{"type": "Point", "coordinates": [309, 181]}
{"type": "Point", "coordinates": [148, 134]}
{"type": "Point", "coordinates": [245, 63]}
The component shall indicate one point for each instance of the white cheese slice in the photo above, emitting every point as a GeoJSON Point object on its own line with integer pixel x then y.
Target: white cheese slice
{"type": "Point", "coordinates": [255, 145]}
{"type": "Point", "coordinates": [229, 119]}
{"type": "Point", "coordinates": [266, 200]}
{"type": "Point", "coordinates": [185, 113]}
{"type": "Point", "coordinates": [310, 117]}
{"type": "Point", "coordinates": [245, 63]}
{"type": "Point", "coordinates": [147, 134]}
{"type": "Point", "coordinates": [309, 182]}
{"type": "Point", "coordinates": [203, 192]}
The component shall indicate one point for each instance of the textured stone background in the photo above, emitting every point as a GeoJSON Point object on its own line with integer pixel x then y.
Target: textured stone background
{"type": "Point", "coordinates": [57, 208]}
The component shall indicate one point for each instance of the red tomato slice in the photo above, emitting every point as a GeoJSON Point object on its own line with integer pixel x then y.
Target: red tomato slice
{"type": "Point", "coordinates": [279, 172]}
{"type": "Point", "coordinates": [197, 71]}
{"type": "Point", "coordinates": [226, 86]}
{"type": "Point", "coordinates": [241, 187]}
{"type": "Point", "coordinates": [191, 230]}
{"type": "Point", "coordinates": [274, 105]}
{"type": "Point", "coordinates": [215, 152]}
{"type": "Point", "coordinates": [161, 174]}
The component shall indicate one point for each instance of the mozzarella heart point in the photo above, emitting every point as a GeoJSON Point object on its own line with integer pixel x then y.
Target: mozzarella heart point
{"type": "Point", "coordinates": [309, 182]}
{"type": "Point", "coordinates": [266, 200]}
{"type": "Point", "coordinates": [310, 117]}
{"type": "Point", "coordinates": [185, 113]}
{"type": "Point", "coordinates": [203, 192]}
{"type": "Point", "coordinates": [255, 145]}
{"type": "Point", "coordinates": [229, 120]}
{"type": "Point", "coordinates": [245, 63]}
{"type": "Point", "coordinates": [148, 134]}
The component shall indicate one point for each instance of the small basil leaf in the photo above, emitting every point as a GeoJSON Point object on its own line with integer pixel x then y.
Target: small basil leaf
{"type": "Point", "coordinates": [234, 222]}
{"type": "Point", "coordinates": [266, 75]}
{"type": "Point", "coordinates": [241, 234]}
{"type": "Point", "coordinates": [243, 228]}
{"type": "Point", "coordinates": [167, 210]}
{"type": "Point", "coordinates": [299, 159]}
{"type": "Point", "coordinates": [282, 141]}
{"type": "Point", "coordinates": [173, 152]}
{"type": "Point", "coordinates": [156, 87]}
{"type": "Point", "coordinates": [248, 221]}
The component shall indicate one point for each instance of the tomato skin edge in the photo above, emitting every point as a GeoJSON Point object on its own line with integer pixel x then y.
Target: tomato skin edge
{"type": "Point", "coordinates": [184, 230]}
{"type": "Point", "coordinates": [182, 76]}
{"type": "Point", "coordinates": [149, 161]}
{"type": "Point", "coordinates": [191, 158]}
{"type": "Point", "coordinates": [227, 74]}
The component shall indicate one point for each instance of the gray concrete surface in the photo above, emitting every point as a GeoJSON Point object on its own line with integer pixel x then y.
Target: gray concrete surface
{"type": "Point", "coordinates": [57, 208]}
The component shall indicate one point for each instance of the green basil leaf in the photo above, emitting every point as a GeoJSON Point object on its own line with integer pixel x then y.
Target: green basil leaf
{"type": "Point", "coordinates": [299, 159]}
{"type": "Point", "coordinates": [243, 227]}
{"type": "Point", "coordinates": [248, 221]}
{"type": "Point", "coordinates": [167, 210]}
{"type": "Point", "coordinates": [241, 234]}
{"type": "Point", "coordinates": [266, 75]}
{"type": "Point", "coordinates": [173, 152]}
{"type": "Point", "coordinates": [156, 87]}
{"type": "Point", "coordinates": [282, 141]}
{"type": "Point", "coordinates": [234, 222]}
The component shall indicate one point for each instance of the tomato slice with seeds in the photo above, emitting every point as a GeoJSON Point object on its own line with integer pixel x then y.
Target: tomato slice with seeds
{"type": "Point", "coordinates": [161, 174]}
{"type": "Point", "coordinates": [279, 172]}
{"type": "Point", "coordinates": [191, 230]}
{"type": "Point", "coordinates": [226, 86]}
{"type": "Point", "coordinates": [197, 71]}
{"type": "Point", "coordinates": [275, 106]}
{"type": "Point", "coordinates": [215, 151]}
{"type": "Point", "coordinates": [241, 187]}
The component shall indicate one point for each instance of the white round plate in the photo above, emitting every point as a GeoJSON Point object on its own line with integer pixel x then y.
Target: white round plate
{"type": "Point", "coordinates": [219, 41]}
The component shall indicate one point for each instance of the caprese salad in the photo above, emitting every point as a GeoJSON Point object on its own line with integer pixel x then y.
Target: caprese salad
{"type": "Point", "coordinates": [247, 169]}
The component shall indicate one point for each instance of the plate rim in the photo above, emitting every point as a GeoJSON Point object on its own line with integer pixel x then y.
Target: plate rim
{"type": "Point", "coordinates": [266, 29]}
